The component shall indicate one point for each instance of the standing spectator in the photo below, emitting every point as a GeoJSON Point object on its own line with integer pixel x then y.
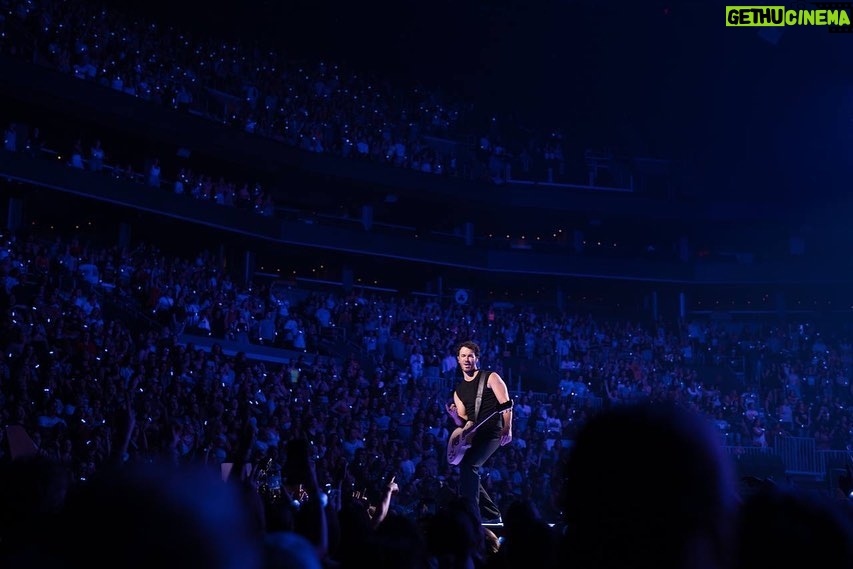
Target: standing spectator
{"type": "Point", "coordinates": [96, 156]}
{"type": "Point", "coordinates": [448, 365]}
{"type": "Point", "coordinates": [179, 186]}
{"type": "Point", "coordinates": [416, 363]}
{"type": "Point", "coordinates": [77, 155]}
{"type": "Point", "coordinates": [10, 138]}
{"type": "Point", "coordinates": [35, 143]}
{"type": "Point", "coordinates": [154, 173]}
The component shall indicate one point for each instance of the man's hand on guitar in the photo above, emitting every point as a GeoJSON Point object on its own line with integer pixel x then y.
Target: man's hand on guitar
{"type": "Point", "coordinates": [506, 437]}
{"type": "Point", "coordinates": [467, 429]}
{"type": "Point", "coordinates": [453, 412]}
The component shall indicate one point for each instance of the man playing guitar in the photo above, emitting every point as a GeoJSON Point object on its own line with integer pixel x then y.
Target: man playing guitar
{"type": "Point", "coordinates": [481, 430]}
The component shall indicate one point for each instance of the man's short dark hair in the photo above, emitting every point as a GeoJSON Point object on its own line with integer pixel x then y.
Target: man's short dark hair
{"type": "Point", "coordinates": [471, 346]}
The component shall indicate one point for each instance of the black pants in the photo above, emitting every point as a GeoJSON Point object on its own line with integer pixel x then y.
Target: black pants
{"type": "Point", "coordinates": [482, 448]}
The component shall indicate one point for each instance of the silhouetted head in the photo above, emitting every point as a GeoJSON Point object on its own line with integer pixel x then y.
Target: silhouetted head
{"type": "Point", "coordinates": [785, 527]}
{"type": "Point", "coordinates": [152, 514]}
{"type": "Point", "coordinates": [289, 550]}
{"type": "Point", "coordinates": [454, 535]}
{"type": "Point", "coordinates": [648, 485]}
{"type": "Point", "coordinates": [33, 490]}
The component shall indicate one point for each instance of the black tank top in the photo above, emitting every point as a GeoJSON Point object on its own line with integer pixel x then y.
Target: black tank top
{"type": "Point", "coordinates": [467, 392]}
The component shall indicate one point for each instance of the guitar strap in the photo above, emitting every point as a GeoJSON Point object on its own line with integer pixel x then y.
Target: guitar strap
{"type": "Point", "coordinates": [479, 395]}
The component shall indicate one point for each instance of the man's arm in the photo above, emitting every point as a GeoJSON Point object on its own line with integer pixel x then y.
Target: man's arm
{"type": "Point", "coordinates": [456, 410]}
{"type": "Point", "coordinates": [501, 392]}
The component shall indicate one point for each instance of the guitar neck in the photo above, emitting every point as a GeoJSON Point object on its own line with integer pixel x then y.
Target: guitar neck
{"type": "Point", "coordinates": [499, 409]}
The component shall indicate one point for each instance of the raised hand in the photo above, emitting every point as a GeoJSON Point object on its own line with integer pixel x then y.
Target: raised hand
{"type": "Point", "coordinates": [452, 411]}
{"type": "Point", "coordinates": [392, 487]}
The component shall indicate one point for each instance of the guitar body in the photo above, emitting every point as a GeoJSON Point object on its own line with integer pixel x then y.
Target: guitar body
{"type": "Point", "coordinates": [457, 444]}
{"type": "Point", "coordinates": [460, 441]}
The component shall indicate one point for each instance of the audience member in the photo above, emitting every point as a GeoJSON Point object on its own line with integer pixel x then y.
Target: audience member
{"type": "Point", "coordinates": [528, 540]}
{"type": "Point", "coordinates": [788, 527]}
{"type": "Point", "coordinates": [663, 495]}
{"type": "Point", "coordinates": [33, 491]}
{"type": "Point", "coordinates": [145, 514]}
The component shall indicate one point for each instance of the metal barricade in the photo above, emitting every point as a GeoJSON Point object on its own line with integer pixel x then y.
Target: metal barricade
{"type": "Point", "coordinates": [799, 454]}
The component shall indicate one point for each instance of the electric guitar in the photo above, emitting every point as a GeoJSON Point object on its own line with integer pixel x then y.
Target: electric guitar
{"type": "Point", "coordinates": [460, 440]}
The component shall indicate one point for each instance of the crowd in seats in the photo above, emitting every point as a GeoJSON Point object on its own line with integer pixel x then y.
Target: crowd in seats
{"type": "Point", "coordinates": [96, 393]}
{"type": "Point", "coordinates": [317, 106]}
{"type": "Point", "coordinates": [91, 155]}
{"type": "Point", "coordinates": [184, 176]}
{"type": "Point", "coordinates": [404, 341]}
